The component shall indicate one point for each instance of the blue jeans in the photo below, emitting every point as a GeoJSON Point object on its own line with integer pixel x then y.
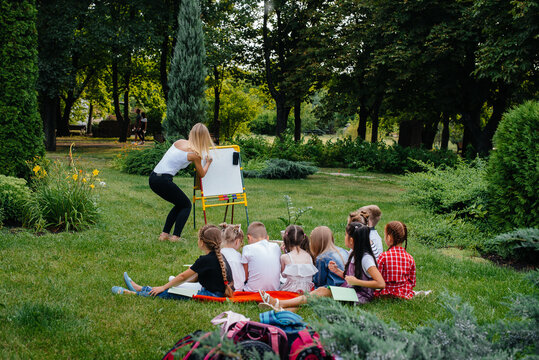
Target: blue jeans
{"type": "Point", "coordinates": [166, 295]}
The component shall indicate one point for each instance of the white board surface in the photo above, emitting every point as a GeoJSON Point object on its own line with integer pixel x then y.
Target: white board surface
{"type": "Point", "coordinates": [223, 177]}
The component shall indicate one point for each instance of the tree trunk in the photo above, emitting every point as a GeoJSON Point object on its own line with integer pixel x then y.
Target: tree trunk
{"type": "Point", "coordinates": [472, 129]}
{"type": "Point", "coordinates": [499, 106]}
{"type": "Point", "coordinates": [375, 119]}
{"type": "Point", "coordinates": [410, 133]}
{"type": "Point", "coordinates": [63, 128]}
{"type": "Point", "coordinates": [430, 128]}
{"type": "Point", "coordinates": [216, 124]}
{"type": "Point", "coordinates": [282, 116]}
{"type": "Point", "coordinates": [115, 93]}
{"type": "Point", "coordinates": [297, 120]}
{"type": "Point", "coordinates": [124, 125]}
{"type": "Point", "coordinates": [445, 132]}
{"type": "Point", "coordinates": [362, 125]}
{"type": "Point", "coordinates": [90, 115]}
{"type": "Point", "coordinates": [48, 116]}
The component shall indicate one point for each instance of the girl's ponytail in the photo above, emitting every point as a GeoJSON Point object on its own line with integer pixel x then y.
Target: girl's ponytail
{"type": "Point", "coordinates": [228, 289]}
{"type": "Point", "coordinates": [211, 237]}
{"type": "Point", "coordinates": [398, 232]}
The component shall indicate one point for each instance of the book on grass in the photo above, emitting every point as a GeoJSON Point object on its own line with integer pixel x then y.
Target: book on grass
{"type": "Point", "coordinates": [343, 294]}
{"type": "Point", "coordinates": [186, 289]}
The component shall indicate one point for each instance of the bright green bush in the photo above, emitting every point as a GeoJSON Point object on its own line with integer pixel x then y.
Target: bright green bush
{"type": "Point", "coordinates": [14, 195]}
{"type": "Point", "coordinates": [21, 137]}
{"type": "Point", "coordinates": [461, 190]}
{"type": "Point", "coordinates": [65, 199]}
{"type": "Point", "coordinates": [513, 169]}
{"type": "Point", "coordinates": [520, 244]}
{"type": "Point", "coordinates": [142, 161]}
{"type": "Point", "coordinates": [283, 169]}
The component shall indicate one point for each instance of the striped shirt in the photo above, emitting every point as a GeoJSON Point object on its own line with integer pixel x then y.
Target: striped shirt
{"type": "Point", "coordinates": [398, 270]}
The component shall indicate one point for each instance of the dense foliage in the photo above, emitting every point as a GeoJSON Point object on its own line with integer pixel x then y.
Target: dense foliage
{"type": "Point", "coordinates": [520, 244]}
{"type": "Point", "coordinates": [346, 152]}
{"type": "Point", "coordinates": [513, 172]}
{"type": "Point", "coordinates": [21, 137]}
{"type": "Point", "coordinates": [353, 333]}
{"type": "Point", "coordinates": [14, 195]}
{"type": "Point", "coordinates": [186, 102]}
{"type": "Point", "coordinates": [142, 161]}
{"type": "Point", "coordinates": [282, 169]}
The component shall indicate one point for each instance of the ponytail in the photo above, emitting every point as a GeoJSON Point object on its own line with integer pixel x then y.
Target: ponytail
{"type": "Point", "coordinates": [398, 232]}
{"type": "Point", "coordinates": [228, 289]}
{"type": "Point", "coordinates": [211, 237]}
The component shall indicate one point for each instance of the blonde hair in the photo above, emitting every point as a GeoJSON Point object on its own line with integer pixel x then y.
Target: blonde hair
{"type": "Point", "coordinates": [210, 235]}
{"type": "Point", "coordinates": [360, 216]}
{"type": "Point", "coordinates": [257, 230]}
{"type": "Point", "coordinates": [374, 213]}
{"type": "Point", "coordinates": [321, 241]}
{"type": "Point", "coordinates": [231, 232]}
{"type": "Point", "coordinates": [200, 140]}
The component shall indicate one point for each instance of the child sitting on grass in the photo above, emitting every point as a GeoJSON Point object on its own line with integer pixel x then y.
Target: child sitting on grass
{"type": "Point", "coordinates": [232, 241]}
{"type": "Point", "coordinates": [211, 269]}
{"type": "Point", "coordinates": [261, 260]}
{"type": "Point", "coordinates": [395, 264]}
{"type": "Point", "coordinates": [369, 215]}
{"type": "Point", "coordinates": [297, 262]}
{"type": "Point", "coordinates": [324, 250]}
{"type": "Point", "coordinates": [363, 276]}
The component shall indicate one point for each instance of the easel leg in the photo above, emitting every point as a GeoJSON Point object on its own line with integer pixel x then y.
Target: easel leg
{"type": "Point", "coordinates": [232, 217]}
{"type": "Point", "coordinates": [226, 211]}
{"type": "Point", "coordinates": [205, 220]}
{"type": "Point", "coordinates": [247, 215]}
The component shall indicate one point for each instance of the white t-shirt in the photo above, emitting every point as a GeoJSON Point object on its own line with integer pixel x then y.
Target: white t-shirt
{"type": "Point", "coordinates": [367, 261]}
{"type": "Point", "coordinates": [238, 272]}
{"type": "Point", "coordinates": [376, 243]}
{"type": "Point", "coordinates": [263, 259]}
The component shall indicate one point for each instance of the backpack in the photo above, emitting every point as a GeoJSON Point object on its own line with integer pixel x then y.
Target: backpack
{"type": "Point", "coordinates": [307, 346]}
{"type": "Point", "coordinates": [268, 334]}
{"type": "Point", "coordinates": [191, 341]}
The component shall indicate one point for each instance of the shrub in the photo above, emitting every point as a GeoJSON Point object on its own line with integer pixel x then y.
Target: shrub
{"type": "Point", "coordinates": [461, 190]}
{"type": "Point", "coordinates": [21, 137]}
{"type": "Point", "coordinates": [444, 231]}
{"type": "Point", "coordinates": [14, 195]}
{"type": "Point", "coordinates": [65, 199]}
{"type": "Point", "coordinates": [520, 244]}
{"type": "Point", "coordinates": [512, 170]}
{"type": "Point", "coordinates": [283, 169]}
{"type": "Point", "coordinates": [142, 161]}
{"type": "Point", "coordinates": [155, 118]}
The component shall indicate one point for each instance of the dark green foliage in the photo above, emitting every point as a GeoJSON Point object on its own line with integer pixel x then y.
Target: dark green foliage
{"type": "Point", "coordinates": [520, 244]}
{"type": "Point", "coordinates": [186, 98]}
{"type": "Point", "coordinates": [461, 191]}
{"type": "Point", "coordinates": [353, 333]}
{"type": "Point", "coordinates": [513, 172]}
{"type": "Point", "coordinates": [143, 161]}
{"type": "Point", "coordinates": [283, 169]}
{"type": "Point", "coordinates": [14, 195]}
{"type": "Point", "coordinates": [349, 153]}
{"type": "Point", "coordinates": [155, 118]}
{"type": "Point", "coordinates": [21, 137]}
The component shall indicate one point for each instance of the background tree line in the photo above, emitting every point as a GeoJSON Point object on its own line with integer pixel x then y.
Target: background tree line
{"type": "Point", "coordinates": [419, 63]}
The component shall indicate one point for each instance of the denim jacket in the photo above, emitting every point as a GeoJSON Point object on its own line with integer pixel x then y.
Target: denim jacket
{"type": "Point", "coordinates": [325, 277]}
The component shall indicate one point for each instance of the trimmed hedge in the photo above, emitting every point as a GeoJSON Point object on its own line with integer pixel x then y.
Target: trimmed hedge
{"type": "Point", "coordinates": [14, 195]}
{"type": "Point", "coordinates": [283, 169]}
{"type": "Point", "coordinates": [21, 138]}
{"type": "Point", "coordinates": [513, 172]}
{"type": "Point", "coordinates": [521, 244]}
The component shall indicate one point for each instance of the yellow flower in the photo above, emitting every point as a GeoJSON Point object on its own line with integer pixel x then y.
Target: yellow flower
{"type": "Point", "coordinates": [36, 168]}
{"type": "Point", "coordinates": [95, 172]}
{"type": "Point", "coordinates": [84, 180]}
{"type": "Point", "coordinates": [75, 177]}
{"type": "Point", "coordinates": [92, 186]}
{"type": "Point", "coordinates": [44, 172]}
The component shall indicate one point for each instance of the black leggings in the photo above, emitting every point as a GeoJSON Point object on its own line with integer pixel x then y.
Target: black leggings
{"type": "Point", "coordinates": [162, 185]}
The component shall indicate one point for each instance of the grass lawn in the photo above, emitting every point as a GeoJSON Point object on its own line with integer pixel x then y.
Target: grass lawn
{"type": "Point", "coordinates": [55, 298]}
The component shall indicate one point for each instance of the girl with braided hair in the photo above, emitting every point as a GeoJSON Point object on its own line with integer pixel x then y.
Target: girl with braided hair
{"type": "Point", "coordinates": [211, 270]}
{"type": "Point", "coordinates": [297, 262]}
{"type": "Point", "coordinates": [395, 264]}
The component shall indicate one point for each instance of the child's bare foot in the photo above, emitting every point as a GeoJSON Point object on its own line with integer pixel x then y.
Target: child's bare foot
{"type": "Point", "coordinates": [164, 236]}
{"type": "Point", "coordinates": [174, 238]}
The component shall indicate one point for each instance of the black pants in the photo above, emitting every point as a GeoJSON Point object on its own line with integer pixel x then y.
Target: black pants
{"type": "Point", "coordinates": [162, 185]}
{"type": "Point", "coordinates": [140, 134]}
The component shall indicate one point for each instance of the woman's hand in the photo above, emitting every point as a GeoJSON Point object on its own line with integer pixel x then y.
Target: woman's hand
{"type": "Point", "coordinates": [208, 160]}
{"type": "Point", "coordinates": [157, 290]}
{"type": "Point", "coordinates": [351, 280]}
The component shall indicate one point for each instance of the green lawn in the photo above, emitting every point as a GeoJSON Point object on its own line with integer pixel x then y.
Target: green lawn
{"type": "Point", "coordinates": [55, 298]}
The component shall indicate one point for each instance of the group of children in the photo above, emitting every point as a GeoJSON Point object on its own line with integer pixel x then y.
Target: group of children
{"type": "Point", "coordinates": [298, 263]}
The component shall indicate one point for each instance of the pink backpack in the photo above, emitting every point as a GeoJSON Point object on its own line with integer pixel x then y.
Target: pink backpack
{"type": "Point", "coordinates": [307, 346]}
{"type": "Point", "coordinates": [268, 334]}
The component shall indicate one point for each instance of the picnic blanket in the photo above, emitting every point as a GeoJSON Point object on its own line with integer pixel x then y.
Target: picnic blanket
{"type": "Point", "coordinates": [246, 296]}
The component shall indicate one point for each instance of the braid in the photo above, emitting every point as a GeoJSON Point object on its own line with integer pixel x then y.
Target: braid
{"type": "Point", "coordinates": [228, 289]}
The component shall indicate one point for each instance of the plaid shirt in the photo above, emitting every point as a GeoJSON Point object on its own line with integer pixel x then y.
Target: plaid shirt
{"type": "Point", "coordinates": [398, 270]}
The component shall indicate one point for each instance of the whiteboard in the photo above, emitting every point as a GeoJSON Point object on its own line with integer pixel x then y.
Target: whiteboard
{"type": "Point", "coordinates": [222, 177]}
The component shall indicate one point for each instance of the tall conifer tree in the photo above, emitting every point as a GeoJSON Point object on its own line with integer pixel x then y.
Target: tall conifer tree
{"type": "Point", "coordinates": [186, 103]}
{"type": "Point", "coordinates": [21, 131]}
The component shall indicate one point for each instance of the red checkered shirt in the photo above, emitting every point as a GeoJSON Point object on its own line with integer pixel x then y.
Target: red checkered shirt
{"type": "Point", "coordinates": [398, 270]}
